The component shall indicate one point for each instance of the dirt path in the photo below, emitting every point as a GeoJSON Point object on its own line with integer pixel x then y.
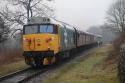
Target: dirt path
{"type": "Point", "coordinates": [90, 70]}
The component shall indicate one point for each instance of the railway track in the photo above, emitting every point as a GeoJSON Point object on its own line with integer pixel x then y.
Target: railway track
{"type": "Point", "coordinates": [32, 75]}
{"type": "Point", "coordinates": [12, 74]}
{"type": "Point", "coordinates": [26, 75]}
{"type": "Point", "coordinates": [21, 76]}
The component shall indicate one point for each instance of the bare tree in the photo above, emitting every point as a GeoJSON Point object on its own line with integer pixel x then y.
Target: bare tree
{"type": "Point", "coordinates": [18, 12]}
{"type": "Point", "coordinates": [1, 26]}
{"type": "Point", "coordinates": [3, 30]}
{"type": "Point", "coordinates": [116, 16]}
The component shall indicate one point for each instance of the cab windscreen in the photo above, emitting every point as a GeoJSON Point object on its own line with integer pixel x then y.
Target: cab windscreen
{"type": "Point", "coordinates": [39, 29]}
{"type": "Point", "coordinates": [31, 29]}
{"type": "Point", "coordinates": [46, 29]}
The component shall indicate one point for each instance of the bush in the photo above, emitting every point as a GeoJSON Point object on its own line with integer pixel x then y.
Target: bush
{"type": "Point", "coordinates": [121, 65]}
{"type": "Point", "coordinates": [120, 56]}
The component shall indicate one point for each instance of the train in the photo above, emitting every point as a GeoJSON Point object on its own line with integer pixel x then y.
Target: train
{"type": "Point", "coordinates": [47, 40]}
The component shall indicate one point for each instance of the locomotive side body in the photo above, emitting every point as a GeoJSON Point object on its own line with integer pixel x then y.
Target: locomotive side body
{"type": "Point", "coordinates": [67, 38]}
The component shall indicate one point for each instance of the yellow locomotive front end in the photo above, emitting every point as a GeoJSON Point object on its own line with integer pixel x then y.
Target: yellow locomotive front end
{"type": "Point", "coordinates": [40, 44]}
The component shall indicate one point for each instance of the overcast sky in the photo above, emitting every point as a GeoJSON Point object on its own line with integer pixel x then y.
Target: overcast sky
{"type": "Point", "coordinates": [82, 13]}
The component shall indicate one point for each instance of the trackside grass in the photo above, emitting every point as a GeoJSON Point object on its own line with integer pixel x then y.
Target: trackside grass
{"type": "Point", "coordinates": [12, 67]}
{"type": "Point", "coordinates": [93, 69]}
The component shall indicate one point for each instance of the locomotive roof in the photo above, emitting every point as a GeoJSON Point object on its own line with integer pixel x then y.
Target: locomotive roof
{"type": "Point", "coordinates": [46, 20]}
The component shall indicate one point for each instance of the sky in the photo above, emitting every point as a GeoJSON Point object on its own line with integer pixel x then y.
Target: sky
{"type": "Point", "coordinates": [82, 13]}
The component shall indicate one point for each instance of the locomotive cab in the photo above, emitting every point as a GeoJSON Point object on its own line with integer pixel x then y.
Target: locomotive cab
{"type": "Point", "coordinates": [40, 43]}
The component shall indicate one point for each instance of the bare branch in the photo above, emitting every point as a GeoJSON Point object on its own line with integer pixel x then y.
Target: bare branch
{"type": "Point", "coordinates": [116, 15]}
{"type": "Point", "coordinates": [17, 12]}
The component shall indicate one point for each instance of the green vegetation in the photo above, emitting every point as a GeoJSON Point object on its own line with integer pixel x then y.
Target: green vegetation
{"type": "Point", "coordinates": [94, 69]}
{"type": "Point", "coordinates": [13, 67]}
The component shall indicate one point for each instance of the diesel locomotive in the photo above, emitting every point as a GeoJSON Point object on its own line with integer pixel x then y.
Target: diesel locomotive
{"type": "Point", "coordinates": [46, 40]}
